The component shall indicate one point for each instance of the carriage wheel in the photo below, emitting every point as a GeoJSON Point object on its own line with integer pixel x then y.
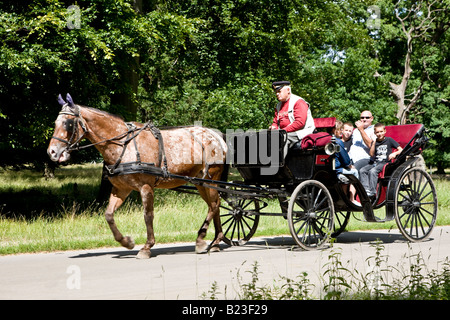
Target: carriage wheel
{"type": "Point", "coordinates": [415, 204]}
{"type": "Point", "coordinates": [311, 215]}
{"type": "Point", "coordinates": [239, 220]}
{"type": "Point", "coordinates": [341, 219]}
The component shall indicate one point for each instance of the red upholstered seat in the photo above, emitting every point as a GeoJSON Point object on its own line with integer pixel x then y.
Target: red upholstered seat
{"type": "Point", "coordinates": [323, 123]}
{"type": "Point", "coordinates": [404, 135]}
{"type": "Point", "coordinates": [318, 139]}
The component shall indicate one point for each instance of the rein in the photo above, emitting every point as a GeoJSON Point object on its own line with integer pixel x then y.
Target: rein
{"type": "Point", "coordinates": [130, 135]}
{"type": "Point", "coordinates": [79, 120]}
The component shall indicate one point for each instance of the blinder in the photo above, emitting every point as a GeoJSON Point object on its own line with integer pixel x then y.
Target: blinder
{"type": "Point", "coordinates": [69, 125]}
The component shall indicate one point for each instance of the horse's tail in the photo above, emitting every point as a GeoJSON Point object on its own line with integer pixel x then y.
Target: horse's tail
{"type": "Point", "coordinates": [226, 165]}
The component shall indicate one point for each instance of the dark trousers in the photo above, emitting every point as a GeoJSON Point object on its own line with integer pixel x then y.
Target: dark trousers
{"type": "Point", "coordinates": [361, 163]}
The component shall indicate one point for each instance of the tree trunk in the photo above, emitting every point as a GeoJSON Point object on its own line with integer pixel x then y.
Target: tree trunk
{"type": "Point", "coordinates": [419, 18]}
{"type": "Point", "coordinates": [398, 91]}
{"type": "Point", "coordinates": [49, 170]}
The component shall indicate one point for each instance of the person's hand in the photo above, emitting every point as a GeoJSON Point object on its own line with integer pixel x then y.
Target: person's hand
{"type": "Point", "coordinates": [392, 156]}
{"type": "Point", "coordinates": [359, 124]}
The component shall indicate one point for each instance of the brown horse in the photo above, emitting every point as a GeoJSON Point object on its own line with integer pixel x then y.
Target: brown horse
{"type": "Point", "coordinates": [188, 151]}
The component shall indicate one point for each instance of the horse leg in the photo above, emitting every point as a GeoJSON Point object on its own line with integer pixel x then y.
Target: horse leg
{"type": "Point", "coordinates": [218, 237]}
{"type": "Point", "coordinates": [212, 198]}
{"type": "Point", "coordinates": [147, 196]}
{"type": "Point", "coordinates": [116, 199]}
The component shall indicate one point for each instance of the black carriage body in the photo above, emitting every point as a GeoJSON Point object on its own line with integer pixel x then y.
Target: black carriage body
{"type": "Point", "coordinates": [259, 164]}
{"type": "Point", "coordinates": [313, 200]}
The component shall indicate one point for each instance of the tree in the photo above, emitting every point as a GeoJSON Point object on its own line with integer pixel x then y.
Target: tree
{"type": "Point", "coordinates": [42, 56]}
{"type": "Point", "coordinates": [423, 22]}
{"type": "Point", "coordinates": [176, 62]}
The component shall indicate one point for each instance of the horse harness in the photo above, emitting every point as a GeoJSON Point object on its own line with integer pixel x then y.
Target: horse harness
{"type": "Point", "coordinates": [69, 126]}
{"type": "Point", "coordinates": [138, 166]}
{"type": "Point", "coordinates": [118, 168]}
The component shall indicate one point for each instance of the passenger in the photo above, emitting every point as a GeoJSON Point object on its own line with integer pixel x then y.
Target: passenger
{"type": "Point", "coordinates": [347, 134]}
{"type": "Point", "coordinates": [362, 140]}
{"type": "Point", "coordinates": [343, 162]}
{"type": "Point", "coordinates": [292, 114]}
{"type": "Point", "coordinates": [381, 153]}
{"type": "Point", "coordinates": [338, 128]}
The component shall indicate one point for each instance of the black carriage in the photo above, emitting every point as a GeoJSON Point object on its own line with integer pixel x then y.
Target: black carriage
{"type": "Point", "coordinates": [312, 198]}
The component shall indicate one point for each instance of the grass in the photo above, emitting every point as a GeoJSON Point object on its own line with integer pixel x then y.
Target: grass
{"type": "Point", "coordinates": [62, 214]}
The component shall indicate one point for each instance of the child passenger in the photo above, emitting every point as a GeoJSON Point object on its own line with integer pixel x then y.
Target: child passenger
{"type": "Point", "coordinates": [381, 153]}
{"type": "Point", "coordinates": [343, 161]}
{"type": "Point", "coordinates": [347, 133]}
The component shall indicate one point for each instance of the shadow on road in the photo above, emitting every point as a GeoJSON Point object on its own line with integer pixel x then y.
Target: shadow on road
{"type": "Point", "coordinates": [122, 253]}
{"type": "Point", "coordinates": [267, 243]}
{"type": "Point", "coordinates": [356, 237]}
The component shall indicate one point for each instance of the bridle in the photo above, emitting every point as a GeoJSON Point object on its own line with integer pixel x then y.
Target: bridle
{"type": "Point", "coordinates": [71, 125]}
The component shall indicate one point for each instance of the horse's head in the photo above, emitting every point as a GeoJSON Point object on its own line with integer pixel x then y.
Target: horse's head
{"type": "Point", "coordinates": [66, 135]}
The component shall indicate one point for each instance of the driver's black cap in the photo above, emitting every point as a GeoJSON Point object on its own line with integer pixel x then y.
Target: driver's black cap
{"type": "Point", "coordinates": [277, 85]}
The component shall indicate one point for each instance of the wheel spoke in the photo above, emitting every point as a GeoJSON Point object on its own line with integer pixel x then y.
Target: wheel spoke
{"type": "Point", "coordinates": [245, 221]}
{"type": "Point", "coordinates": [340, 223]}
{"type": "Point", "coordinates": [416, 204]}
{"type": "Point", "coordinates": [241, 219]}
{"type": "Point", "coordinates": [312, 223]}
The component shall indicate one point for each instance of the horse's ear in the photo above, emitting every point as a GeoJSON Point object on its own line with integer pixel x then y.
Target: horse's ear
{"type": "Point", "coordinates": [61, 100]}
{"type": "Point", "coordinates": [72, 105]}
{"type": "Point", "coordinates": [70, 101]}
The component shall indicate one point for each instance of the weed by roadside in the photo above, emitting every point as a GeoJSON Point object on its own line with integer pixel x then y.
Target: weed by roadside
{"type": "Point", "coordinates": [381, 281]}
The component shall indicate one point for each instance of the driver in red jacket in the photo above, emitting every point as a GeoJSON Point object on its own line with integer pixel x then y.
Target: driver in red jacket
{"type": "Point", "coordinates": [292, 114]}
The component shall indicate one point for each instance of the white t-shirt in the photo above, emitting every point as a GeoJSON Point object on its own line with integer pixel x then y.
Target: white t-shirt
{"type": "Point", "coordinates": [359, 150]}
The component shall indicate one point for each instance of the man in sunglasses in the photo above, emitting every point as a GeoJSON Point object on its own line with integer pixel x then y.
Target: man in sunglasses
{"type": "Point", "coordinates": [363, 136]}
{"type": "Point", "coordinates": [292, 114]}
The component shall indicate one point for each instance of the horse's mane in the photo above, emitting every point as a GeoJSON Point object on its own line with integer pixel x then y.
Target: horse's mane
{"type": "Point", "coordinates": [138, 124]}
{"type": "Point", "coordinates": [103, 113]}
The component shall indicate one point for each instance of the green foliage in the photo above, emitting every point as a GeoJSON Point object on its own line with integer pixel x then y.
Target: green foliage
{"type": "Point", "coordinates": [210, 61]}
{"type": "Point", "coordinates": [338, 285]}
{"type": "Point", "coordinates": [429, 60]}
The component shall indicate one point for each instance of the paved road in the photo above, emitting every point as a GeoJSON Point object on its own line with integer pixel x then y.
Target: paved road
{"type": "Point", "coordinates": [176, 272]}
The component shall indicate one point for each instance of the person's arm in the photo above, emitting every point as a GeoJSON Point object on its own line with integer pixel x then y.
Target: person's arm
{"type": "Point", "coordinates": [367, 139]}
{"type": "Point", "coordinates": [274, 125]}
{"type": "Point", "coordinates": [397, 152]}
{"type": "Point", "coordinates": [372, 148]}
{"type": "Point", "coordinates": [300, 114]}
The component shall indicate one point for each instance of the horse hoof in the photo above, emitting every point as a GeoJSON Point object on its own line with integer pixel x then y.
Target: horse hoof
{"type": "Point", "coordinates": [143, 254]}
{"type": "Point", "coordinates": [128, 242]}
{"type": "Point", "coordinates": [201, 247]}
{"type": "Point", "coordinates": [214, 248]}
